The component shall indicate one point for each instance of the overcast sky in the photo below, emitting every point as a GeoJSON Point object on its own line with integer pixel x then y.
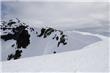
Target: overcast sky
{"type": "Point", "coordinates": [57, 13]}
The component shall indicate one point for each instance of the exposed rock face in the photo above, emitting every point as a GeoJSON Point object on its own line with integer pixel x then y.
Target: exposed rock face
{"type": "Point", "coordinates": [20, 32]}
{"type": "Point", "coordinates": [62, 40]}
{"type": "Point", "coordinates": [42, 32]}
{"type": "Point", "coordinates": [7, 37]}
{"type": "Point", "coordinates": [15, 56]}
{"type": "Point", "coordinates": [23, 40]}
{"type": "Point", "coordinates": [46, 32]}
{"type": "Point", "coordinates": [16, 31]}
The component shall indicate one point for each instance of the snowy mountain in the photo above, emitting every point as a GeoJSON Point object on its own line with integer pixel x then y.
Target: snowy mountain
{"type": "Point", "coordinates": [97, 30]}
{"type": "Point", "coordinates": [92, 58]}
{"type": "Point", "coordinates": [24, 41]}
{"type": "Point", "coordinates": [21, 36]}
{"type": "Point", "coordinates": [48, 36]}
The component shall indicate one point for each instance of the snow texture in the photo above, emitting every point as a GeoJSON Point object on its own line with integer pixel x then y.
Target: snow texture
{"type": "Point", "coordinates": [92, 58]}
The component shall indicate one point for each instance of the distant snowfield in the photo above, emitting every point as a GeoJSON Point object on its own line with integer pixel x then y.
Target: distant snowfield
{"type": "Point", "coordinates": [92, 58]}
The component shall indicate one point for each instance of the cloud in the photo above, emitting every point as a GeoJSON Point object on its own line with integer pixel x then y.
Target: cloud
{"type": "Point", "coordinates": [56, 13]}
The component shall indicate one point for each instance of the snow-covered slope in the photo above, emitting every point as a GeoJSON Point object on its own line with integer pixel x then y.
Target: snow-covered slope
{"type": "Point", "coordinates": [79, 51]}
{"type": "Point", "coordinates": [41, 46]}
{"type": "Point", "coordinates": [92, 58]}
{"type": "Point", "coordinates": [102, 30]}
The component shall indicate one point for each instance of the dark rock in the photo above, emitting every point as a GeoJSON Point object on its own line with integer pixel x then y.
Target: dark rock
{"type": "Point", "coordinates": [48, 32]}
{"type": "Point", "coordinates": [62, 40]}
{"type": "Point", "coordinates": [54, 52]}
{"type": "Point", "coordinates": [23, 40]}
{"type": "Point", "coordinates": [7, 37]}
{"type": "Point", "coordinates": [17, 54]}
{"type": "Point", "coordinates": [13, 45]}
{"type": "Point", "coordinates": [54, 36]}
{"type": "Point", "coordinates": [42, 32]}
{"type": "Point", "coordinates": [10, 57]}
{"type": "Point", "coordinates": [32, 29]}
{"type": "Point", "coordinates": [57, 38]}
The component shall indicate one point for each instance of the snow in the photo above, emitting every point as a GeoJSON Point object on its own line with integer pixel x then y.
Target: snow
{"type": "Point", "coordinates": [40, 46]}
{"type": "Point", "coordinates": [92, 58]}
{"type": "Point", "coordinates": [92, 34]}
{"type": "Point", "coordinates": [85, 24]}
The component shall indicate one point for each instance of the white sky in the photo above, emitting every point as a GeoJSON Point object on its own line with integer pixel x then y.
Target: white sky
{"type": "Point", "coordinates": [57, 13]}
